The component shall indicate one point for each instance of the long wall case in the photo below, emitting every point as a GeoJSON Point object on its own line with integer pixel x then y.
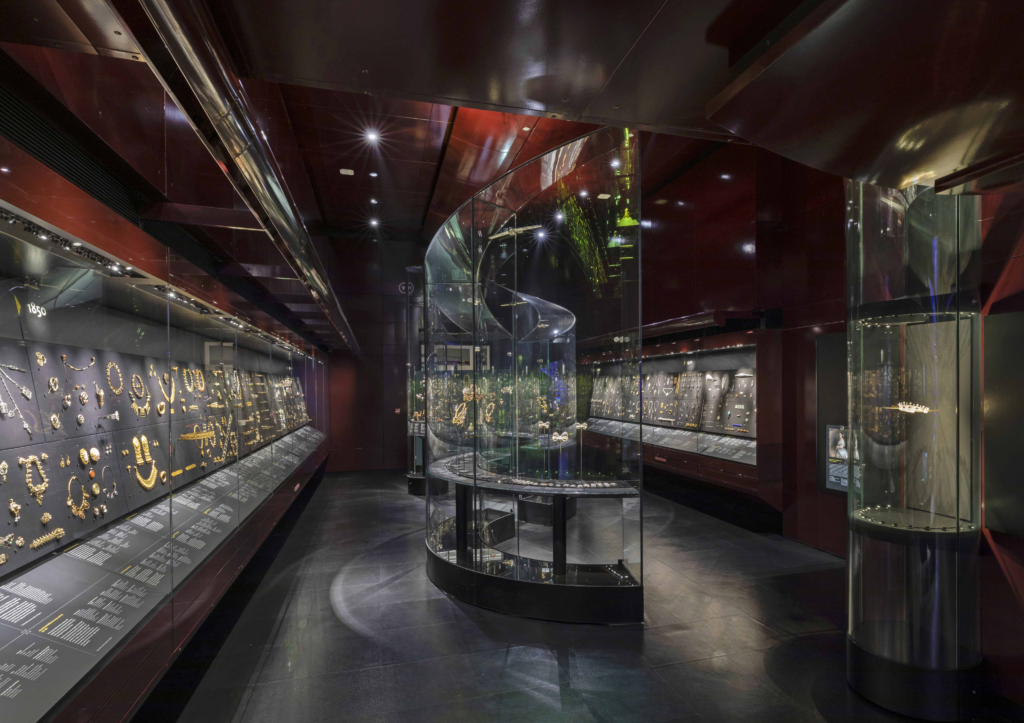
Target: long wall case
{"type": "Point", "coordinates": [138, 430]}
{"type": "Point", "coordinates": [546, 254]}
{"type": "Point", "coordinates": [914, 492]}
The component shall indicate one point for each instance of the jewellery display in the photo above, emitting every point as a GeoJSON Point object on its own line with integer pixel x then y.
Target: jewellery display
{"type": "Point", "coordinates": [52, 385]}
{"type": "Point", "coordinates": [113, 493]}
{"type": "Point", "coordinates": [55, 421]}
{"type": "Point", "coordinates": [115, 416]}
{"type": "Point", "coordinates": [48, 537]}
{"type": "Point", "coordinates": [79, 509]}
{"type": "Point", "coordinates": [3, 557]}
{"type": "Point", "coordinates": [120, 379]}
{"type": "Point", "coordinates": [15, 509]}
{"type": "Point", "coordinates": [14, 402]}
{"type": "Point", "coordinates": [161, 407]}
{"type": "Point", "coordinates": [95, 489]}
{"type": "Point", "coordinates": [99, 394]}
{"type": "Point", "coordinates": [35, 491]}
{"type": "Point", "coordinates": [20, 542]}
{"type": "Point", "coordinates": [143, 410]}
{"type": "Point", "coordinates": [25, 391]}
{"type": "Point", "coordinates": [40, 359]}
{"type": "Point", "coordinates": [64, 361]}
{"type": "Point", "coordinates": [200, 380]}
{"type": "Point", "coordinates": [142, 456]}
{"type": "Point", "coordinates": [141, 388]}
{"type": "Point", "coordinates": [46, 517]}
{"type": "Point", "coordinates": [94, 454]}
{"type": "Point", "coordinates": [66, 401]}
{"type": "Point", "coordinates": [187, 378]}
{"type": "Point", "coordinates": [83, 397]}
{"type": "Point", "coordinates": [80, 419]}
{"type": "Point", "coordinates": [3, 470]}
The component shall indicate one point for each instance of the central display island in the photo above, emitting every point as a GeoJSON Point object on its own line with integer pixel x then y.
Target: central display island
{"type": "Point", "coordinates": [521, 517]}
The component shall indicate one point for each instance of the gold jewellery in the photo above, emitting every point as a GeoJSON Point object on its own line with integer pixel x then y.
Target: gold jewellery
{"type": "Point", "coordinates": [15, 509]}
{"type": "Point", "coordinates": [112, 494]}
{"type": "Point", "coordinates": [200, 380]}
{"type": "Point", "coordinates": [55, 421]}
{"type": "Point", "coordinates": [35, 490]}
{"type": "Point", "coordinates": [186, 376]}
{"type": "Point", "coordinates": [3, 470]}
{"type": "Point", "coordinates": [120, 379]}
{"type": "Point", "coordinates": [40, 359]}
{"type": "Point", "coordinates": [161, 407]}
{"type": "Point", "coordinates": [48, 537]}
{"type": "Point", "coordinates": [99, 394]}
{"type": "Point", "coordinates": [79, 509]}
{"type": "Point", "coordinates": [64, 361]}
{"type": "Point", "coordinates": [83, 456]}
{"type": "Point", "coordinates": [137, 392]}
{"type": "Point", "coordinates": [46, 517]}
{"type": "Point", "coordinates": [142, 456]}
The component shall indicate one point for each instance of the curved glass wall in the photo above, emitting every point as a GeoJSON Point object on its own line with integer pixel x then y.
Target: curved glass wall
{"type": "Point", "coordinates": [914, 502]}
{"type": "Point", "coordinates": [536, 266]}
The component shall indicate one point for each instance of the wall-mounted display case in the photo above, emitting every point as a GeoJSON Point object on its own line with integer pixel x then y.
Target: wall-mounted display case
{"type": "Point", "coordinates": [416, 387]}
{"type": "Point", "coordinates": [700, 402]}
{"type": "Point", "coordinates": [140, 429]}
{"type": "Point", "coordinates": [913, 451]}
{"type": "Point", "coordinates": [520, 517]}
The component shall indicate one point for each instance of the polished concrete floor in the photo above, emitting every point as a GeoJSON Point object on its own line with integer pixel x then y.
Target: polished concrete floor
{"type": "Point", "coordinates": [335, 621]}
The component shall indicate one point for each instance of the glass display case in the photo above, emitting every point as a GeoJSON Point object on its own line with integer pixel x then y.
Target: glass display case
{"type": "Point", "coordinates": [416, 387]}
{"type": "Point", "coordinates": [139, 429]}
{"type": "Point", "coordinates": [519, 518]}
{"type": "Point", "coordinates": [914, 492]}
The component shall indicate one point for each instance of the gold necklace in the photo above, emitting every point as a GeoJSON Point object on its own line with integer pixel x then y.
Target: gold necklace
{"type": "Point", "coordinates": [142, 455]}
{"type": "Point", "coordinates": [64, 359]}
{"type": "Point", "coordinates": [161, 381]}
{"type": "Point", "coordinates": [138, 391]}
{"type": "Point", "coordinates": [79, 509]}
{"type": "Point", "coordinates": [186, 375]}
{"type": "Point", "coordinates": [200, 380]}
{"type": "Point", "coordinates": [120, 379]}
{"type": "Point", "coordinates": [35, 491]}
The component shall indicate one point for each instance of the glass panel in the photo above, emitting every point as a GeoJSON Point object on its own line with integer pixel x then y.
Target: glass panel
{"type": "Point", "coordinates": [416, 391]}
{"type": "Point", "coordinates": [914, 501]}
{"type": "Point", "coordinates": [543, 258]}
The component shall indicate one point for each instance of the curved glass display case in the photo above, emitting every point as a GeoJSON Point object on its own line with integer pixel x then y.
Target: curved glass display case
{"type": "Point", "coordinates": [522, 518]}
{"type": "Point", "coordinates": [415, 381]}
{"type": "Point", "coordinates": [914, 501]}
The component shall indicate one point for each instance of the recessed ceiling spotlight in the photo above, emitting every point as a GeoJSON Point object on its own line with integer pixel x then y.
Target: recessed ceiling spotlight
{"type": "Point", "coordinates": [373, 200]}
{"type": "Point", "coordinates": [76, 244]}
{"type": "Point", "coordinates": [680, 203]}
{"type": "Point", "coordinates": [725, 176]}
{"type": "Point", "coordinates": [372, 136]}
{"type": "Point", "coordinates": [5, 169]}
{"type": "Point", "coordinates": [616, 163]}
{"type": "Point", "coordinates": [373, 175]}
{"type": "Point", "coordinates": [540, 234]}
{"type": "Point", "coordinates": [583, 194]}
{"type": "Point", "coordinates": [347, 172]}
{"type": "Point", "coordinates": [526, 128]}
{"type": "Point", "coordinates": [373, 222]}
{"type": "Point", "coordinates": [559, 216]}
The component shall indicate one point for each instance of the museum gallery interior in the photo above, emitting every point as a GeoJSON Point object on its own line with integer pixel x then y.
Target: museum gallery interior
{"type": "Point", "coordinates": [511, 361]}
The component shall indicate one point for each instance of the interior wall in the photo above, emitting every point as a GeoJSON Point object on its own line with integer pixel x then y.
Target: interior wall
{"type": "Point", "coordinates": [745, 229]}
{"type": "Point", "coordinates": [999, 270]}
{"type": "Point", "coordinates": [368, 404]}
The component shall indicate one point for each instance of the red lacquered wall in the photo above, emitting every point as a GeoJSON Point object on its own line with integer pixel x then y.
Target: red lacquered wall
{"type": "Point", "coordinates": [744, 229]}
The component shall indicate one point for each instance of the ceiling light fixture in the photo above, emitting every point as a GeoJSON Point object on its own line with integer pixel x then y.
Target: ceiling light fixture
{"type": "Point", "coordinates": [616, 163]}
{"type": "Point", "coordinates": [725, 176]}
{"type": "Point", "coordinates": [5, 169]}
{"type": "Point", "coordinates": [76, 244]}
{"type": "Point", "coordinates": [373, 200]}
{"type": "Point", "coordinates": [372, 136]}
{"type": "Point", "coordinates": [373, 222]}
{"type": "Point", "coordinates": [347, 172]}
{"type": "Point", "coordinates": [540, 234]}
{"type": "Point", "coordinates": [559, 216]}
{"type": "Point", "coordinates": [373, 175]}
{"type": "Point", "coordinates": [680, 203]}
{"type": "Point", "coordinates": [526, 128]}
{"type": "Point", "coordinates": [583, 194]}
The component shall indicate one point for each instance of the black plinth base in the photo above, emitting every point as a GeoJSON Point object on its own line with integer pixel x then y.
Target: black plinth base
{"type": "Point", "coordinates": [539, 510]}
{"type": "Point", "coordinates": [417, 484]}
{"type": "Point", "coordinates": [595, 604]}
{"type": "Point", "coordinates": [935, 695]}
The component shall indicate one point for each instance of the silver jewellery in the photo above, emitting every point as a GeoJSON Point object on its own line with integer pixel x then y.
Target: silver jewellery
{"type": "Point", "coordinates": [115, 416]}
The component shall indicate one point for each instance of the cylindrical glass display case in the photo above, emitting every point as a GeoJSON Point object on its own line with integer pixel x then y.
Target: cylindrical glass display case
{"type": "Point", "coordinates": [914, 495]}
{"type": "Point", "coordinates": [522, 515]}
{"type": "Point", "coordinates": [416, 387]}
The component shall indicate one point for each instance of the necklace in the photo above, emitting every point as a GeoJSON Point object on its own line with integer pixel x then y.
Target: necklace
{"type": "Point", "coordinates": [35, 491]}
{"type": "Point", "coordinates": [113, 493]}
{"type": "Point", "coordinates": [120, 379]}
{"type": "Point", "coordinates": [64, 361]}
{"type": "Point", "coordinates": [25, 391]}
{"type": "Point", "coordinates": [141, 388]}
{"type": "Point", "coordinates": [141, 446]}
{"type": "Point", "coordinates": [143, 410]}
{"type": "Point", "coordinates": [186, 376]}
{"type": "Point", "coordinates": [3, 408]}
{"type": "Point", "coordinates": [79, 509]}
{"type": "Point", "coordinates": [200, 380]}
{"type": "Point", "coordinates": [161, 381]}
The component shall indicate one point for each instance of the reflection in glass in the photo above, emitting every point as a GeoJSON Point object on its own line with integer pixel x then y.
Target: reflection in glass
{"type": "Point", "coordinates": [543, 258]}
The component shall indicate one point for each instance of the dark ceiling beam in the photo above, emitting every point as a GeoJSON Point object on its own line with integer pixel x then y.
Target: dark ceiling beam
{"type": "Point", "coordinates": [180, 42]}
{"type": "Point", "coordinates": [241, 219]}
